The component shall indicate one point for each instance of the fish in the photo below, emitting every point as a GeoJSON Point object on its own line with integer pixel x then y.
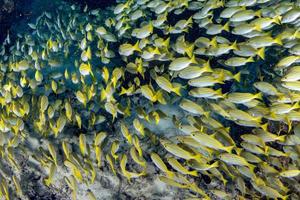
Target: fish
{"type": "Point", "coordinates": [192, 107]}
{"type": "Point", "coordinates": [159, 163]}
{"type": "Point", "coordinates": [206, 92]}
{"type": "Point", "coordinates": [114, 148]}
{"type": "Point", "coordinates": [172, 182]}
{"type": "Point", "coordinates": [136, 158]}
{"type": "Point", "coordinates": [202, 166]}
{"type": "Point", "coordinates": [289, 173]}
{"type": "Point", "coordinates": [149, 93]}
{"type": "Point", "coordinates": [111, 163]}
{"type": "Point", "coordinates": [139, 126]}
{"type": "Point", "coordinates": [17, 186]}
{"type": "Point", "coordinates": [166, 85]}
{"type": "Point", "coordinates": [238, 61]}
{"type": "Point", "coordinates": [128, 49]}
{"type": "Point", "coordinates": [125, 132]}
{"type": "Point", "coordinates": [52, 153]}
{"type": "Point", "coordinates": [209, 141]}
{"type": "Point", "coordinates": [194, 71]}
{"type": "Point", "coordinates": [82, 144]}
{"type": "Point", "coordinates": [239, 97]}
{"type": "Point", "coordinates": [177, 166]}
{"type": "Point", "coordinates": [178, 151]}
{"type": "Point", "coordinates": [181, 63]}
{"type": "Point", "coordinates": [233, 159]}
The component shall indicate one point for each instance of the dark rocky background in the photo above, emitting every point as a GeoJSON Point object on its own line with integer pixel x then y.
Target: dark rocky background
{"type": "Point", "coordinates": [13, 11]}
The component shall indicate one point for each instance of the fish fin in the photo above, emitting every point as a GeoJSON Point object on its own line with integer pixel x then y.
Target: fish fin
{"type": "Point", "coordinates": [257, 119]}
{"type": "Point", "coordinates": [215, 164]}
{"type": "Point", "coordinates": [193, 173]}
{"type": "Point", "coordinates": [264, 126]}
{"type": "Point", "coordinates": [207, 67]}
{"type": "Point", "coordinates": [176, 90]}
{"type": "Point", "coordinates": [206, 114]}
{"type": "Point", "coordinates": [261, 53]}
{"type": "Point", "coordinates": [285, 197]}
{"type": "Point", "coordinates": [259, 96]}
{"type": "Point", "coordinates": [193, 59]}
{"type": "Point", "coordinates": [257, 28]}
{"type": "Point", "coordinates": [296, 105]}
{"type": "Point", "coordinates": [237, 76]}
{"type": "Point", "coordinates": [189, 50]}
{"type": "Point", "coordinates": [258, 13]}
{"type": "Point", "coordinates": [234, 45]}
{"type": "Point", "coordinates": [267, 149]}
{"type": "Point", "coordinates": [214, 42]}
{"type": "Point", "coordinates": [137, 47]}
{"type": "Point", "coordinates": [226, 27]}
{"type": "Point", "coordinates": [229, 149]}
{"type": "Point", "coordinates": [170, 174]}
{"type": "Point", "coordinates": [219, 92]}
{"type": "Point", "coordinates": [156, 51]}
{"type": "Point", "coordinates": [250, 59]}
{"type": "Point", "coordinates": [281, 138]}
{"type": "Point", "coordinates": [277, 40]}
{"type": "Point", "coordinates": [277, 19]}
{"type": "Point", "coordinates": [251, 167]}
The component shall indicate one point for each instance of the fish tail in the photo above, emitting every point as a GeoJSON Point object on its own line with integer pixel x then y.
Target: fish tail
{"type": "Point", "coordinates": [198, 157]}
{"type": "Point", "coordinates": [251, 167]}
{"type": "Point", "coordinates": [176, 90]}
{"type": "Point", "coordinates": [234, 45]}
{"type": "Point", "coordinates": [285, 197]}
{"type": "Point", "coordinates": [257, 119]}
{"type": "Point", "coordinates": [277, 19]}
{"type": "Point", "coordinates": [206, 114]}
{"type": "Point", "coordinates": [229, 149]}
{"type": "Point", "coordinates": [137, 47]}
{"type": "Point", "coordinates": [296, 105]}
{"type": "Point", "coordinates": [189, 50]}
{"type": "Point", "coordinates": [170, 174]}
{"type": "Point", "coordinates": [257, 28]}
{"type": "Point", "coordinates": [259, 96]}
{"type": "Point", "coordinates": [226, 27]}
{"type": "Point", "coordinates": [267, 148]}
{"type": "Point", "coordinates": [261, 53]}
{"type": "Point", "coordinates": [166, 42]}
{"type": "Point", "coordinates": [264, 126]}
{"type": "Point", "coordinates": [193, 60]}
{"type": "Point", "coordinates": [219, 92]}
{"type": "Point", "coordinates": [193, 173]}
{"type": "Point", "coordinates": [129, 139]}
{"type": "Point", "coordinates": [207, 67]}
{"type": "Point", "coordinates": [190, 21]}
{"type": "Point", "coordinates": [277, 40]}
{"type": "Point", "coordinates": [281, 138]}
{"type": "Point", "coordinates": [258, 13]}
{"type": "Point", "coordinates": [237, 76]}
{"type": "Point", "coordinates": [250, 59]}
{"type": "Point", "coordinates": [156, 51]}
{"type": "Point", "coordinates": [215, 164]}
{"type": "Point", "coordinates": [213, 42]}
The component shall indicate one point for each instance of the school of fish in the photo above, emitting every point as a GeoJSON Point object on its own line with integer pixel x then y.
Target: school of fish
{"type": "Point", "coordinates": [231, 66]}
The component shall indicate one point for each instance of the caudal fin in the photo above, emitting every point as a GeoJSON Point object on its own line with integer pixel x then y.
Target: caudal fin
{"type": "Point", "coordinates": [176, 90]}
{"type": "Point", "coordinates": [261, 53]}
{"type": "Point", "coordinates": [193, 173]}
{"type": "Point", "coordinates": [229, 149]}
{"type": "Point", "coordinates": [237, 77]}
